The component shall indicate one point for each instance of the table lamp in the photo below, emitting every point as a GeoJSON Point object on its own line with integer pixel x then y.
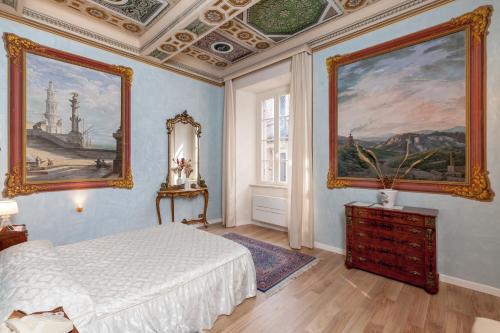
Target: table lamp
{"type": "Point", "coordinates": [7, 208]}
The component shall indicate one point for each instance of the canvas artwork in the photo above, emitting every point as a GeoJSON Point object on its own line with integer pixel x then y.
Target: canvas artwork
{"type": "Point", "coordinates": [412, 97]}
{"type": "Point", "coordinates": [73, 118]}
{"type": "Point", "coordinates": [413, 107]}
{"type": "Point", "coordinates": [69, 121]}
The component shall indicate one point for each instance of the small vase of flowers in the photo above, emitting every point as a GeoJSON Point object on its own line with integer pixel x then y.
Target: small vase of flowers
{"type": "Point", "coordinates": [181, 164]}
{"type": "Point", "coordinates": [388, 194]}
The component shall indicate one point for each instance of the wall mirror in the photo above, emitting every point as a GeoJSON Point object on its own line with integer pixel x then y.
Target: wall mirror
{"type": "Point", "coordinates": [183, 153]}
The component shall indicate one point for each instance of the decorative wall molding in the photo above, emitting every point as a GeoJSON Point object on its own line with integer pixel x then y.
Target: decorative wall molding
{"type": "Point", "coordinates": [88, 41]}
{"type": "Point", "coordinates": [387, 17]}
{"type": "Point", "coordinates": [52, 21]}
{"type": "Point", "coordinates": [182, 66]}
{"type": "Point", "coordinates": [54, 25]}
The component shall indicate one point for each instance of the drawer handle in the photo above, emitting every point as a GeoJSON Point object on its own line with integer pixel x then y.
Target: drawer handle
{"type": "Point", "coordinates": [415, 231]}
{"type": "Point", "coordinates": [361, 234]}
{"type": "Point", "coordinates": [361, 246]}
{"type": "Point", "coordinates": [361, 222]}
{"type": "Point", "coordinates": [413, 258]}
{"type": "Point", "coordinates": [413, 218]}
{"type": "Point", "coordinates": [361, 259]}
{"type": "Point", "coordinates": [414, 245]}
{"type": "Point", "coordinates": [415, 273]}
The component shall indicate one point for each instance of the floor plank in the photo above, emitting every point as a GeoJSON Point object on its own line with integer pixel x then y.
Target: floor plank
{"type": "Point", "coordinates": [330, 298]}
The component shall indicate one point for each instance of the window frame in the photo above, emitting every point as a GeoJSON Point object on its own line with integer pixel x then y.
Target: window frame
{"type": "Point", "coordinates": [276, 94]}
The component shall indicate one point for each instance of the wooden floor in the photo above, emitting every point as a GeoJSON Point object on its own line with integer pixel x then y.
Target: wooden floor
{"type": "Point", "coordinates": [330, 298]}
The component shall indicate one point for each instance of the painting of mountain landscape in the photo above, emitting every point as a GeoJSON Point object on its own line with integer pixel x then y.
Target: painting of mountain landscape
{"type": "Point", "coordinates": [414, 96]}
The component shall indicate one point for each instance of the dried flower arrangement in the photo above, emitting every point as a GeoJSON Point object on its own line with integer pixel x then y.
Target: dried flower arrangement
{"type": "Point", "coordinates": [182, 164]}
{"type": "Point", "coordinates": [369, 157]}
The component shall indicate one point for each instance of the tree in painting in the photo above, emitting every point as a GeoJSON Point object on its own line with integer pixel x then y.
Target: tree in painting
{"type": "Point", "coordinates": [73, 118]}
{"type": "Point", "coordinates": [415, 94]}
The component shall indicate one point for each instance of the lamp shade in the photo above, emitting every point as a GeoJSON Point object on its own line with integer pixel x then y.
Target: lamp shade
{"type": "Point", "coordinates": [8, 207]}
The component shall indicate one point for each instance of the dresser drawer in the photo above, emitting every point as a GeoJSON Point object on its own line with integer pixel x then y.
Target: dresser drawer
{"type": "Point", "coordinates": [408, 257]}
{"type": "Point", "coordinates": [405, 272]}
{"type": "Point", "coordinates": [388, 227]}
{"type": "Point", "coordinates": [393, 216]}
{"type": "Point", "coordinates": [380, 238]}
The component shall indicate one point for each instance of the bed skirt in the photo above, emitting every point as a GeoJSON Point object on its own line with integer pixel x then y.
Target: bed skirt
{"type": "Point", "coordinates": [190, 307]}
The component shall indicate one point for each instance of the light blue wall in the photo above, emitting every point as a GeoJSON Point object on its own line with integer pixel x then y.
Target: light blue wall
{"type": "Point", "coordinates": [468, 231]}
{"type": "Point", "coordinates": [156, 96]}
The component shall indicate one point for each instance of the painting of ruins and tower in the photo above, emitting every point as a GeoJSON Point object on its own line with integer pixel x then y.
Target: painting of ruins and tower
{"type": "Point", "coordinates": [73, 122]}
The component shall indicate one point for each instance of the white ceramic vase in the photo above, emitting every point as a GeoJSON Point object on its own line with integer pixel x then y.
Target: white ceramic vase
{"type": "Point", "coordinates": [388, 197]}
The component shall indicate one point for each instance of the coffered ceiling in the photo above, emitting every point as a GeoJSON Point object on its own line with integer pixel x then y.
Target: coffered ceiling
{"type": "Point", "coordinates": [210, 38]}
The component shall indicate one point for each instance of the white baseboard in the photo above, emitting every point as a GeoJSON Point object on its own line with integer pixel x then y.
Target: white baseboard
{"type": "Point", "coordinates": [329, 248]}
{"type": "Point", "coordinates": [442, 277]}
{"type": "Point", "coordinates": [470, 285]}
{"type": "Point", "coordinates": [214, 221]}
{"type": "Point", "coordinates": [269, 226]}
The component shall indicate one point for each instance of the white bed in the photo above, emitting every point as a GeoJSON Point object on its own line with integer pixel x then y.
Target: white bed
{"type": "Point", "coordinates": [170, 278]}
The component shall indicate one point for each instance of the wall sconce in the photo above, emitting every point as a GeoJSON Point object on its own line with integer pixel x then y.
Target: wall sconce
{"type": "Point", "coordinates": [79, 198]}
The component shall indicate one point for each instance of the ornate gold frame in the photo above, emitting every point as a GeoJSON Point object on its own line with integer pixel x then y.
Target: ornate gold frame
{"type": "Point", "coordinates": [16, 181]}
{"type": "Point", "coordinates": [183, 118]}
{"type": "Point", "coordinates": [477, 185]}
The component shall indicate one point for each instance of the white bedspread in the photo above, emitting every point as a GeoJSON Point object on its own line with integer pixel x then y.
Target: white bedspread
{"type": "Point", "coordinates": [170, 278]}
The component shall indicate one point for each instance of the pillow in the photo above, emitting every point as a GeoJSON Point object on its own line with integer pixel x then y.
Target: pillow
{"type": "Point", "coordinates": [33, 279]}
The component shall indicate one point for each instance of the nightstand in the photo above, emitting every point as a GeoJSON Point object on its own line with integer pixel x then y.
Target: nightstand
{"type": "Point", "coordinates": [9, 238]}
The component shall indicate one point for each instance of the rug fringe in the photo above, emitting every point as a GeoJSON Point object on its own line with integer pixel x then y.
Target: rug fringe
{"type": "Point", "coordinates": [285, 282]}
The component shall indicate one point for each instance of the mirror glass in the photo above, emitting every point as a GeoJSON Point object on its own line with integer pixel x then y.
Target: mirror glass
{"type": "Point", "coordinates": [183, 141]}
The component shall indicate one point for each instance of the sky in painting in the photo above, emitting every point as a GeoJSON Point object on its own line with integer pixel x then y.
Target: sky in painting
{"type": "Point", "coordinates": [421, 87]}
{"type": "Point", "coordinates": [99, 96]}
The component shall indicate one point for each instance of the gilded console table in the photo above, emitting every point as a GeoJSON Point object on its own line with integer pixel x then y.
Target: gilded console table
{"type": "Point", "coordinates": [182, 193]}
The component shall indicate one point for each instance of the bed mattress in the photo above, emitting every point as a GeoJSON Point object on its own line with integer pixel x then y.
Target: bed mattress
{"type": "Point", "coordinates": [170, 278]}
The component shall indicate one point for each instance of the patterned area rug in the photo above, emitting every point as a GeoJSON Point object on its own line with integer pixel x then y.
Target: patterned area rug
{"type": "Point", "coordinates": [275, 265]}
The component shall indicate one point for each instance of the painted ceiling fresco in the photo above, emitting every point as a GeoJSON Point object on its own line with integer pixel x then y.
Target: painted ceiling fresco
{"type": "Point", "coordinates": [133, 16]}
{"type": "Point", "coordinates": [201, 36]}
{"type": "Point", "coordinates": [264, 25]}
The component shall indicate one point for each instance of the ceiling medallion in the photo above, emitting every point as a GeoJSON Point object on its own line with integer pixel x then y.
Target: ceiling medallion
{"type": "Point", "coordinates": [222, 47]}
{"type": "Point", "coordinates": [262, 45]}
{"type": "Point", "coordinates": [97, 13]}
{"type": "Point", "coordinates": [168, 48]}
{"type": "Point", "coordinates": [239, 3]}
{"type": "Point", "coordinates": [353, 4]}
{"type": "Point", "coordinates": [285, 17]}
{"type": "Point", "coordinates": [244, 35]}
{"type": "Point", "coordinates": [214, 16]}
{"type": "Point", "coordinates": [131, 27]}
{"type": "Point", "coordinates": [184, 37]}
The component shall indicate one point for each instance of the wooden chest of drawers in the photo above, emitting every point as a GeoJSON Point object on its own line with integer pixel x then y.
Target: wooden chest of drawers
{"type": "Point", "coordinates": [400, 244]}
{"type": "Point", "coordinates": [10, 238]}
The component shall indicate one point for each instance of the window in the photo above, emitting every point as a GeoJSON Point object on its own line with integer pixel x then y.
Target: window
{"type": "Point", "coordinates": [274, 117]}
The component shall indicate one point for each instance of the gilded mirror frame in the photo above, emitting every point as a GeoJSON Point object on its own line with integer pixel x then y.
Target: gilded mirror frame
{"type": "Point", "coordinates": [183, 118]}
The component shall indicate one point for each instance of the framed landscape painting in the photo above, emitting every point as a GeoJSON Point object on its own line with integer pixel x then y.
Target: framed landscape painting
{"type": "Point", "coordinates": [69, 121]}
{"type": "Point", "coordinates": [420, 97]}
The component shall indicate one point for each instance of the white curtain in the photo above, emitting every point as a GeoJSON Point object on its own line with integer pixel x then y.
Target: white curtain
{"type": "Point", "coordinates": [300, 211]}
{"type": "Point", "coordinates": [229, 158]}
